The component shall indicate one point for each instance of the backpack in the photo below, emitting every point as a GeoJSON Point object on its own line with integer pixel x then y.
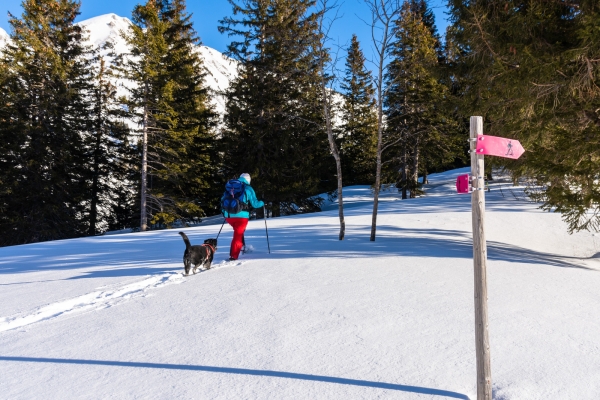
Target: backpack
{"type": "Point", "coordinates": [234, 198]}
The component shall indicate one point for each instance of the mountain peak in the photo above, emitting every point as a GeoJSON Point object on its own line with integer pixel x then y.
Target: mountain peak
{"type": "Point", "coordinates": [107, 27]}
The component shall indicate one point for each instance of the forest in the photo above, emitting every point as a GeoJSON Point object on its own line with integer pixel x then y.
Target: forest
{"type": "Point", "coordinates": [82, 154]}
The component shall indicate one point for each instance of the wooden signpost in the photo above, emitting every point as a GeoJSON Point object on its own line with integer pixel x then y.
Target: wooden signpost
{"type": "Point", "coordinates": [482, 145]}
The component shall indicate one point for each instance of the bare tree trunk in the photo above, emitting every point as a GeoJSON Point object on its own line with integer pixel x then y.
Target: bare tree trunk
{"type": "Point", "coordinates": [327, 110]}
{"type": "Point", "coordinates": [143, 215]}
{"type": "Point", "coordinates": [338, 164]}
{"type": "Point", "coordinates": [404, 174]}
{"type": "Point", "coordinates": [336, 154]}
{"type": "Point", "coordinates": [414, 178]}
{"type": "Point", "coordinates": [382, 13]}
{"type": "Point", "coordinates": [378, 170]}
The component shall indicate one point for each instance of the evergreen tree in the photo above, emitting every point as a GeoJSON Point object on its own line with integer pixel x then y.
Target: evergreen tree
{"type": "Point", "coordinates": [273, 126]}
{"type": "Point", "coordinates": [44, 117]}
{"type": "Point", "coordinates": [143, 67]}
{"type": "Point", "coordinates": [110, 154]}
{"type": "Point", "coordinates": [530, 69]}
{"type": "Point", "coordinates": [359, 126]}
{"type": "Point", "coordinates": [179, 158]}
{"type": "Point", "coordinates": [415, 100]}
{"type": "Point", "coordinates": [422, 11]}
{"type": "Point", "coordinates": [189, 161]}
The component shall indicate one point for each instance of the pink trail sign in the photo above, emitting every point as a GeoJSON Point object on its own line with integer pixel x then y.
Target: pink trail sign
{"type": "Point", "coordinates": [499, 146]}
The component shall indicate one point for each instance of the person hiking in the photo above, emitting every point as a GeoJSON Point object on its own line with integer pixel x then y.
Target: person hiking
{"type": "Point", "coordinates": [237, 201]}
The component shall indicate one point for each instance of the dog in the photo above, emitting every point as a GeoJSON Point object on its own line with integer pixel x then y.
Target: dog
{"type": "Point", "coordinates": [198, 255]}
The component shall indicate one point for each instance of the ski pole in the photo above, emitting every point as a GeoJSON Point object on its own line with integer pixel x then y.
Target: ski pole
{"type": "Point", "coordinates": [266, 230]}
{"type": "Point", "coordinates": [221, 228]}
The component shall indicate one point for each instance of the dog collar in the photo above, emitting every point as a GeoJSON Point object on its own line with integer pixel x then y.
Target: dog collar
{"type": "Point", "coordinates": [211, 247]}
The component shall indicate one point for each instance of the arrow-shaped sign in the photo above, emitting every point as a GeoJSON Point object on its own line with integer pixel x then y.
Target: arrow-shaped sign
{"type": "Point", "coordinates": [499, 146]}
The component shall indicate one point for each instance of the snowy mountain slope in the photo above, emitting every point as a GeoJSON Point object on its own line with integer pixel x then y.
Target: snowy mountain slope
{"type": "Point", "coordinates": [3, 37]}
{"type": "Point", "coordinates": [112, 317]}
{"type": "Point", "coordinates": [107, 27]}
{"type": "Point", "coordinates": [220, 69]}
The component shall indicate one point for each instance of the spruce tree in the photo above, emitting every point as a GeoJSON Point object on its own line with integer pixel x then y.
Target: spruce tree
{"type": "Point", "coordinates": [189, 155]}
{"type": "Point", "coordinates": [110, 154]}
{"type": "Point", "coordinates": [191, 175]}
{"type": "Point", "coordinates": [43, 123]}
{"type": "Point", "coordinates": [142, 67]}
{"type": "Point", "coordinates": [415, 101]}
{"type": "Point", "coordinates": [179, 157]}
{"type": "Point", "coordinates": [273, 123]}
{"type": "Point", "coordinates": [359, 126]}
{"type": "Point", "coordinates": [529, 69]}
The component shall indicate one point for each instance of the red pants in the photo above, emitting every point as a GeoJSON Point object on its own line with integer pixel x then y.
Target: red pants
{"type": "Point", "coordinates": [239, 227]}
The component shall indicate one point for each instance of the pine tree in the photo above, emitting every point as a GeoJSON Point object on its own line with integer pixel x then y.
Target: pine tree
{"type": "Point", "coordinates": [189, 156]}
{"type": "Point", "coordinates": [143, 66]}
{"type": "Point", "coordinates": [425, 14]}
{"type": "Point", "coordinates": [110, 154]}
{"type": "Point", "coordinates": [172, 103]}
{"type": "Point", "coordinates": [45, 117]}
{"type": "Point", "coordinates": [273, 126]}
{"type": "Point", "coordinates": [415, 101]}
{"type": "Point", "coordinates": [530, 70]}
{"type": "Point", "coordinates": [359, 127]}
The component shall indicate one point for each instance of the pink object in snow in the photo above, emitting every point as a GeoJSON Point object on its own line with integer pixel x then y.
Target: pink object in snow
{"type": "Point", "coordinates": [462, 183]}
{"type": "Point", "coordinates": [499, 146]}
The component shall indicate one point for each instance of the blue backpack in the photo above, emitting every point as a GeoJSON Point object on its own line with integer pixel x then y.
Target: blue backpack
{"type": "Point", "coordinates": [234, 198]}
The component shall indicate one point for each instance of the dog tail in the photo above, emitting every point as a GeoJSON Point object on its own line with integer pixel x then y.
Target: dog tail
{"type": "Point", "coordinates": [186, 240]}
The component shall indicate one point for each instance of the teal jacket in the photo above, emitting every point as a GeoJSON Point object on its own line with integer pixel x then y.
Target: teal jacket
{"type": "Point", "coordinates": [251, 200]}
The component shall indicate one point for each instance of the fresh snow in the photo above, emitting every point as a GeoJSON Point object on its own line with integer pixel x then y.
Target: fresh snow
{"type": "Point", "coordinates": [220, 69]}
{"type": "Point", "coordinates": [317, 318]}
{"type": "Point", "coordinates": [106, 28]}
{"type": "Point", "coordinates": [3, 37]}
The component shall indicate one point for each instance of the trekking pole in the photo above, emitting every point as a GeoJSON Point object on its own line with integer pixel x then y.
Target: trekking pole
{"type": "Point", "coordinates": [266, 230]}
{"type": "Point", "coordinates": [221, 228]}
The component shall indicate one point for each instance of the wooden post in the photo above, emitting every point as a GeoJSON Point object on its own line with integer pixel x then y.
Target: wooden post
{"type": "Point", "coordinates": [482, 343]}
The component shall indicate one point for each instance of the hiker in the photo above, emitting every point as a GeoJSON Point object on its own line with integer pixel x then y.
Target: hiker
{"type": "Point", "coordinates": [237, 201]}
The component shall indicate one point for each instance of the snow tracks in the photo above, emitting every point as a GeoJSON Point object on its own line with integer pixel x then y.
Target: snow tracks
{"type": "Point", "coordinates": [103, 298]}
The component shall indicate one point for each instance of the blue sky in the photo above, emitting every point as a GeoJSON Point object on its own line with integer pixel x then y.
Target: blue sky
{"type": "Point", "coordinates": [207, 13]}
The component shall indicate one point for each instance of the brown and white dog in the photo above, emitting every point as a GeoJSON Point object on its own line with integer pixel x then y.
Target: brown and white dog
{"type": "Point", "coordinates": [198, 255]}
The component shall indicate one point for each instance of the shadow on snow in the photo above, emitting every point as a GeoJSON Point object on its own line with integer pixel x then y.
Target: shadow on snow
{"type": "Point", "coordinates": [243, 371]}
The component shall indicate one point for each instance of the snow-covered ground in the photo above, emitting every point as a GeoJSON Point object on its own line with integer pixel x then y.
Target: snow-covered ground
{"type": "Point", "coordinates": [112, 316]}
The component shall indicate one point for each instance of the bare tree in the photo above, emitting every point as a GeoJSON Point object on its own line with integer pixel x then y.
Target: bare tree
{"type": "Point", "coordinates": [383, 13]}
{"type": "Point", "coordinates": [327, 70]}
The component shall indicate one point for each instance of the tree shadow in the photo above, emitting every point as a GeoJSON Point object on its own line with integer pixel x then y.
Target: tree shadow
{"type": "Point", "coordinates": [244, 371]}
{"type": "Point", "coordinates": [395, 241]}
{"type": "Point", "coordinates": [126, 255]}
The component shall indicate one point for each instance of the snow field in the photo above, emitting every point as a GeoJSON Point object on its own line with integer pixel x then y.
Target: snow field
{"type": "Point", "coordinates": [317, 318]}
